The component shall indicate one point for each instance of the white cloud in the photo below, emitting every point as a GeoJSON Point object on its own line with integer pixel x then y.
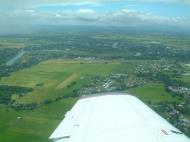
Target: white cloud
{"type": "Point", "coordinates": [123, 17]}
{"type": "Point", "coordinates": [86, 11]}
{"type": "Point", "coordinates": [22, 12]}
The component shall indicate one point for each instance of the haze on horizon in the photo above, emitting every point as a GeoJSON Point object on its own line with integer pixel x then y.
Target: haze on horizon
{"type": "Point", "coordinates": [22, 14]}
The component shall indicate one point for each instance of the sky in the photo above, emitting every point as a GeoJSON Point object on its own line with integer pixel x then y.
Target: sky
{"type": "Point", "coordinates": [15, 14]}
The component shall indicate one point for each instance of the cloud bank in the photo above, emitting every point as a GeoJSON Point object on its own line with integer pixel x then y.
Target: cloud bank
{"type": "Point", "coordinates": [25, 13]}
{"type": "Point", "coordinates": [123, 17]}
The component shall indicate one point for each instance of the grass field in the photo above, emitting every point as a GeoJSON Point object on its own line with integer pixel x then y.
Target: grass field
{"type": "Point", "coordinates": [34, 126]}
{"type": "Point", "coordinates": [12, 42]}
{"type": "Point", "coordinates": [55, 77]}
{"type": "Point", "coordinates": [185, 78]}
{"type": "Point", "coordinates": [153, 92]}
{"type": "Point", "coordinates": [11, 45]}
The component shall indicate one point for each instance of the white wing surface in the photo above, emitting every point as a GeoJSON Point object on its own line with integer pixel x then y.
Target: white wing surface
{"type": "Point", "coordinates": [115, 118]}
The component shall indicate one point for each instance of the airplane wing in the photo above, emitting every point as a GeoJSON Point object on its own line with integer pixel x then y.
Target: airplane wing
{"type": "Point", "coordinates": [115, 118]}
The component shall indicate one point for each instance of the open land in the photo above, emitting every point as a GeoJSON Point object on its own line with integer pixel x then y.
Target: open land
{"type": "Point", "coordinates": [39, 87]}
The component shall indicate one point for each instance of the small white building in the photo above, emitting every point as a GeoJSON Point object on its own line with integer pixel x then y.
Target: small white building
{"type": "Point", "coordinates": [114, 117]}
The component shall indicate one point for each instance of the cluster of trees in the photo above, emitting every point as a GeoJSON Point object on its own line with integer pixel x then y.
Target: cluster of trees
{"type": "Point", "coordinates": [7, 91]}
{"type": "Point", "coordinates": [164, 78]}
{"type": "Point", "coordinates": [18, 107]}
{"type": "Point", "coordinates": [181, 55]}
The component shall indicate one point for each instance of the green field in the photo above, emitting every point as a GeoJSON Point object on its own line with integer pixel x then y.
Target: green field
{"type": "Point", "coordinates": [154, 92]}
{"type": "Point", "coordinates": [12, 42]}
{"type": "Point", "coordinates": [34, 126]}
{"type": "Point", "coordinates": [185, 78]}
{"type": "Point", "coordinates": [55, 76]}
{"type": "Point", "coordinates": [11, 45]}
